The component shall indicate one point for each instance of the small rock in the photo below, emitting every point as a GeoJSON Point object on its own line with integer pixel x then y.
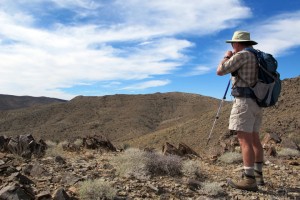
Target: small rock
{"type": "Point", "coordinates": [2, 162]}
{"type": "Point", "coordinates": [61, 194]}
{"type": "Point", "coordinates": [44, 195]}
{"type": "Point", "coordinates": [60, 160]}
{"type": "Point", "coordinates": [295, 163]}
{"type": "Point", "coordinates": [267, 162]}
{"type": "Point", "coordinates": [73, 190]}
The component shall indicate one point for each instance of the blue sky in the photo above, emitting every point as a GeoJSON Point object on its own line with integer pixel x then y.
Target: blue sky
{"type": "Point", "coordinates": [66, 48]}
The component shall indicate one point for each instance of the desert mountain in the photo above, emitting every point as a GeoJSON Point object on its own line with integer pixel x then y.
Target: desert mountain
{"type": "Point", "coordinates": [146, 120]}
{"type": "Point", "coordinates": [9, 102]}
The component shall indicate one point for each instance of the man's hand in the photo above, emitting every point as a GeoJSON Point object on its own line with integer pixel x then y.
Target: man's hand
{"type": "Point", "coordinates": [228, 54]}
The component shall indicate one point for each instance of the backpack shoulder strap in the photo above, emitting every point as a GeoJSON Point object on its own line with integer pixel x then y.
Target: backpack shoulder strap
{"type": "Point", "coordinates": [259, 58]}
{"type": "Point", "coordinates": [254, 51]}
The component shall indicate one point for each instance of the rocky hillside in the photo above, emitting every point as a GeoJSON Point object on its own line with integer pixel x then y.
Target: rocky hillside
{"type": "Point", "coordinates": [119, 117]}
{"type": "Point", "coordinates": [10, 102]}
{"type": "Point", "coordinates": [142, 121]}
{"type": "Point", "coordinates": [65, 174]}
{"type": "Point", "coordinates": [147, 120]}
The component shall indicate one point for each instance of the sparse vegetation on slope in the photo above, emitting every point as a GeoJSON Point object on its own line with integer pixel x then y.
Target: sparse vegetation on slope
{"type": "Point", "coordinates": [96, 189]}
{"type": "Point", "coordinates": [231, 157]}
{"type": "Point", "coordinates": [143, 165]}
{"type": "Point", "coordinates": [95, 174]}
{"type": "Point", "coordinates": [148, 120]}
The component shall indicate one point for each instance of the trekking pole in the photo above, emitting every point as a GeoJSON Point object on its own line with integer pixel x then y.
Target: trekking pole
{"type": "Point", "coordinates": [217, 116]}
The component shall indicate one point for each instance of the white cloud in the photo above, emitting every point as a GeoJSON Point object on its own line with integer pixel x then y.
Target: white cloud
{"type": "Point", "coordinates": [147, 84]}
{"type": "Point", "coordinates": [199, 70]}
{"type": "Point", "coordinates": [178, 16]}
{"type": "Point", "coordinates": [279, 34]}
{"type": "Point", "coordinates": [86, 4]}
{"type": "Point", "coordinates": [140, 42]}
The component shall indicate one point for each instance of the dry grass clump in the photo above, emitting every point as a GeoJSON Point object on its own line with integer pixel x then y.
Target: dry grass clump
{"type": "Point", "coordinates": [231, 157]}
{"type": "Point", "coordinates": [191, 168]}
{"type": "Point", "coordinates": [295, 138]}
{"type": "Point", "coordinates": [288, 152]}
{"type": "Point", "coordinates": [78, 143]}
{"type": "Point", "coordinates": [96, 189]}
{"type": "Point", "coordinates": [159, 164]}
{"type": "Point", "coordinates": [212, 188]}
{"type": "Point", "coordinates": [140, 164]}
{"type": "Point", "coordinates": [124, 146]}
{"type": "Point", "coordinates": [54, 149]}
{"type": "Point", "coordinates": [130, 163]}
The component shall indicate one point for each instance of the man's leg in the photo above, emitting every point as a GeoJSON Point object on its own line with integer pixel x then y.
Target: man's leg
{"type": "Point", "coordinates": [258, 159]}
{"type": "Point", "coordinates": [246, 143]}
{"type": "Point", "coordinates": [258, 149]}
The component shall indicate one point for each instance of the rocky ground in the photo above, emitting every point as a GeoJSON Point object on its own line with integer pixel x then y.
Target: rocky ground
{"type": "Point", "coordinates": [59, 177]}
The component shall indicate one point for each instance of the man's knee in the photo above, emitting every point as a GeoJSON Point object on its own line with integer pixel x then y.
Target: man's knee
{"type": "Point", "coordinates": [245, 137]}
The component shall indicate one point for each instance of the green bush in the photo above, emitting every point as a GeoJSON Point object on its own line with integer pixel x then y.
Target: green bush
{"type": "Point", "coordinates": [96, 189]}
{"type": "Point", "coordinates": [231, 157]}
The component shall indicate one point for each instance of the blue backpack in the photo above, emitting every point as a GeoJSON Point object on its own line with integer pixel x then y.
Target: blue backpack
{"type": "Point", "coordinates": [268, 87]}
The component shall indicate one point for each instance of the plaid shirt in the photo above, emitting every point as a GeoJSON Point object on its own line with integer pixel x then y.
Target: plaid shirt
{"type": "Point", "coordinates": [246, 64]}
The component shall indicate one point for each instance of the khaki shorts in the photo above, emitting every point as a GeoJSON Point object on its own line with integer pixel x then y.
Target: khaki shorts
{"type": "Point", "coordinates": [245, 115]}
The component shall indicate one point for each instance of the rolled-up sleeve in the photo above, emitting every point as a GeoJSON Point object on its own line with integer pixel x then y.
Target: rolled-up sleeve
{"type": "Point", "coordinates": [233, 64]}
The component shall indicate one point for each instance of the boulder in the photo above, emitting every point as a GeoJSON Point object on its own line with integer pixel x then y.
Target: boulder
{"type": "Point", "coordinates": [15, 192]}
{"type": "Point", "coordinates": [182, 150]}
{"type": "Point", "coordinates": [170, 149]}
{"type": "Point", "coordinates": [271, 139]}
{"type": "Point", "coordinates": [228, 141]}
{"type": "Point", "coordinates": [98, 142]}
{"type": "Point", "coordinates": [20, 178]}
{"type": "Point", "coordinates": [3, 143]}
{"type": "Point", "coordinates": [61, 194]}
{"type": "Point", "coordinates": [186, 150]}
{"type": "Point", "coordinates": [271, 151]}
{"type": "Point", "coordinates": [25, 146]}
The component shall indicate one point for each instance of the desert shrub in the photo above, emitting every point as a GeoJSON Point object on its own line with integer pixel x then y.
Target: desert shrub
{"type": "Point", "coordinates": [191, 168]}
{"type": "Point", "coordinates": [295, 138]}
{"type": "Point", "coordinates": [50, 143]}
{"type": "Point", "coordinates": [288, 152]}
{"type": "Point", "coordinates": [62, 144]}
{"type": "Point", "coordinates": [125, 146]}
{"type": "Point", "coordinates": [140, 164]}
{"type": "Point", "coordinates": [78, 142]}
{"type": "Point", "coordinates": [230, 157]}
{"type": "Point", "coordinates": [212, 188]}
{"type": "Point", "coordinates": [130, 163]}
{"type": "Point", "coordinates": [96, 189]}
{"type": "Point", "coordinates": [159, 164]}
{"type": "Point", "coordinates": [54, 149]}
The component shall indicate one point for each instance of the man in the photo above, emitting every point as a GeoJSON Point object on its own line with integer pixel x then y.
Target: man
{"type": "Point", "coordinates": [246, 115]}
